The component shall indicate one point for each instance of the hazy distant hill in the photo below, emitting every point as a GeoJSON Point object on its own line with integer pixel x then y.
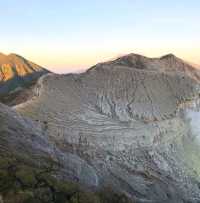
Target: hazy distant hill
{"type": "Point", "coordinates": [16, 74]}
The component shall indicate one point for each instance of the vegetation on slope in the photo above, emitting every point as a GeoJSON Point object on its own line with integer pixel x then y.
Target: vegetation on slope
{"type": "Point", "coordinates": [22, 182]}
{"type": "Point", "coordinates": [18, 96]}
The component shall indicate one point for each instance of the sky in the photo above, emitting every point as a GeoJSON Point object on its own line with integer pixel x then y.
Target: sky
{"type": "Point", "coordinates": [72, 35]}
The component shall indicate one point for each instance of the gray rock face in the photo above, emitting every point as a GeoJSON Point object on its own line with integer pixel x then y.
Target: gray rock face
{"type": "Point", "coordinates": [26, 140]}
{"type": "Point", "coordinates": [123, 120]}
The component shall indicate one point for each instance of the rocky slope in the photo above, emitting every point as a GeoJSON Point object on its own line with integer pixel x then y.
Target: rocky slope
{"type": "Point", "coordinates": [17, 74]}
{"type": "Point", "coordinates": [32, 169]}
{"type": "Point", "coordinates": [126, 119]}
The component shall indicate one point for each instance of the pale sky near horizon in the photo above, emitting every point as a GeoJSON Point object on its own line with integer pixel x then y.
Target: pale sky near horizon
{"type": "Point", "coordinates": [71, 35]}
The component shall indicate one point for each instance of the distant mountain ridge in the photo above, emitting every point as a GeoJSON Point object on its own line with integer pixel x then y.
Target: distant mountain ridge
{"type": "Point", "coordinates": [167, 63]}
{"type": "Point", "coordinates": [17, 73]}
{"type": "Point", "coordinates": [13, 65]}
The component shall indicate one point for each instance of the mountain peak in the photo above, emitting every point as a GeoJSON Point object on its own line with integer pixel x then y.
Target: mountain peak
{"type": "Point", "coordinates": [142, 62]}
{"type": "Point", "coordinates": [166, 63]}
{"type": "Point", "coordinates": [18, 64]}
{"type": "Point", "coordinates": [2, 54]}
{"type": "Point", "coordinates": [8, 55]}
{"type": "Point", "coordinates": [13, 54]}
{"type": "Point", "coordinates": [168, 56]}
{"type": "Point", "coordinates": [16, 71]}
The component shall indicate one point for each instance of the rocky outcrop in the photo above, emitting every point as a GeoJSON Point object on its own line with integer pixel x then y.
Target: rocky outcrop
{"type": "Point", "coordinates": [123, 119]}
